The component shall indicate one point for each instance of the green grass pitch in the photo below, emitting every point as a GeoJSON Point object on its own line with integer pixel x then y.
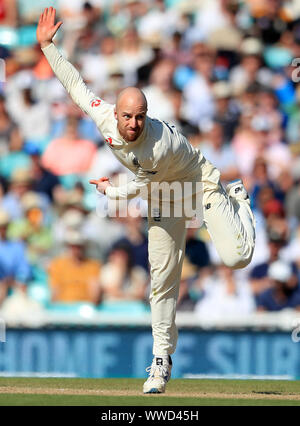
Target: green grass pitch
{"type": "Point", "coordinates": [128, 392]}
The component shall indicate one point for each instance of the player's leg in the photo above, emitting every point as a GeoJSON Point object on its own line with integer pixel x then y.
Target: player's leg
{"type": "Point", "coordinates": [166, 254]}
{"type": "Point", "coordinates": [230, 222]}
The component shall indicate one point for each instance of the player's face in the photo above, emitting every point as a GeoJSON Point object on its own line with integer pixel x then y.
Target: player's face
{"type": "Point", "coordinates": [131, 121]}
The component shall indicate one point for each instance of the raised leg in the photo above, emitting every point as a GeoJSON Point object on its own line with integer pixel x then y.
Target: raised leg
{"type": "Point", "coordinates": [230, 223]}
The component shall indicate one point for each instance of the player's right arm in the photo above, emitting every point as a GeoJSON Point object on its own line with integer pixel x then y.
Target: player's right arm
{"type": "Point", "coordinates": [66, 72]}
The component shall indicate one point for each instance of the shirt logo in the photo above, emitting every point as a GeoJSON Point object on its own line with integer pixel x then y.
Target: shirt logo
{"type": "Point", "coordinates": [109, 141]}
{"type": "Point", "coordinates": [95, 103]}
{"type": "Point", "coordinates": [156, 214]}
{"type": "Point", "coordinates": [150, 172]}
{"type": "Point", "coordinates": [135, 162]}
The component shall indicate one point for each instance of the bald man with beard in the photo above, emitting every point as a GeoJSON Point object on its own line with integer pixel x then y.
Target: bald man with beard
{"type": "Point", "coordinates": [157, 153]}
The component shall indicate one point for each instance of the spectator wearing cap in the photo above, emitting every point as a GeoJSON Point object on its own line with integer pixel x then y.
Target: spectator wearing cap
{"type": "Point", "coordinates": [73, 277]}
{"type": "Point", "coordinates": [259, 274]}
{"type": "Point", "coordinates": [15, 271]}
{"type": "Point", "coordinates": [19, 184]}
{"type": "Point", "coordinates": [71, 219]}
{"type": "Point", "coordinates": [284, 292]}
{"type": "Point", "coordinates": [250, 69]}
{"type": "Point", "coordinates": [226, 112]}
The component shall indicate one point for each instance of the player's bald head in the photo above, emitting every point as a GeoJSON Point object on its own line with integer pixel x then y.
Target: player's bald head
{"type": "Point", "coordinates": [130, 112]}
{"type": "Point", "coordinates": [131, 96]}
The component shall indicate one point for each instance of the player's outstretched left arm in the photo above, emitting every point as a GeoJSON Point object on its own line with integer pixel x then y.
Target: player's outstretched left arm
{"type": "Point", "coordinates": [66, 72]}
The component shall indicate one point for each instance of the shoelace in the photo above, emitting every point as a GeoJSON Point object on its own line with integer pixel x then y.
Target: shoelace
{"type": "Point", "coordinates": [161, 369]}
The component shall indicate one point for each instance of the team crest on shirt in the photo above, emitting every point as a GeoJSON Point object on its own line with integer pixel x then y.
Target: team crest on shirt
{"type": "Point", "coordinates": [109, 142]}
{"type": "Point", "coordinates": [95, 102]}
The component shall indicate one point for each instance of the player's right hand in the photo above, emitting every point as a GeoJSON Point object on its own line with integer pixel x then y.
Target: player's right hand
{"type": "Point", "coordinates": [46, 28]}
{"type": "Point", "coordinates": [101, 184]}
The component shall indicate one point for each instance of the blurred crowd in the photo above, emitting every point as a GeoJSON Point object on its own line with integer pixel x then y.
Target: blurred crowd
{"type": "Point", "coordinates": [225, 72]}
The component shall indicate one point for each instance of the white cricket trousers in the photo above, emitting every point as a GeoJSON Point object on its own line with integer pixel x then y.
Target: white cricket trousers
{"type": "Point", "coordinates": [230, 224]}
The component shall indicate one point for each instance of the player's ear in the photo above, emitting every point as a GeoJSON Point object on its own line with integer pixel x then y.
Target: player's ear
{"type": "Point", "coordinates": [116, 115]}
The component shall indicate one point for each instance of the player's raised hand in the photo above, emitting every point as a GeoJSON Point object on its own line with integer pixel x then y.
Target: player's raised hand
{"type": "Point", "coordinates": [47, 28]}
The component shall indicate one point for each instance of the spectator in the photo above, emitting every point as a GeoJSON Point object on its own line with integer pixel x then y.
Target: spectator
{"type": "Point", "coordinates": [72, 276]}
{"type": "Point", "coordinates": [224, 296]}
{"type": "Point", "coordinates": [259, 179]}
{"type": "Point", "coordinates": [226, 111]}
{"type": "Point", "coordinates": [133, 54]}
{"type": "Point", "coordinates": [8, 13]}
{"type": "Point", "coordinates": [120, 280]}
{"type": "Point", "coordinates": [159, 21]}
{"type": "Point", "coordinates": [6, 127]}
{"type": "Point", "coordinates": [69, 154]}
{"type": "Point", "coordinates": [219, 153]}
{"type": "Point", "coordinates": [27, 111]}
{"type": "Point", "coordinates": [19, 184]}
{"type": "Point", "coordinates": [159, 91]}
{"type": "Point", "coordinates": [135, 238]}
{"type": "Point", "coordinates": [250, 69]}
{"type": "Point", "coordinates": [284, 291]}
{"type": "Point", "coordinates": [199, 109]}
{"type": "Point", "coordinates": [96, 68]}
{"type": "Point", "coordinates": [196, 251]}
{"type": "Point", "coordinates": [43, 181]}
{"type": "Point", "coordinates": [14, 267]}
{"type": "Point", "coordinates": [32, 230]}
{"type": "Point", "coordinates": [259, 274]}
{"type": "Point", "coordinates": [230, 63]}
{"type": "Point", "coordinates": [15, 158]}
{"type": "Point", "coordinates": [189, 289]}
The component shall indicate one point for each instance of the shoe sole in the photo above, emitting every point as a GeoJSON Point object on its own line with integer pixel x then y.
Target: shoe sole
{"type": "Point", "coordinates": [153, 390]}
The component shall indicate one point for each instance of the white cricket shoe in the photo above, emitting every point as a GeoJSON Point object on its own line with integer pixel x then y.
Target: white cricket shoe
{"type": "Point", "coordinates": [237, 190]}
{"type": "Point", "coordinates": [159, 374]}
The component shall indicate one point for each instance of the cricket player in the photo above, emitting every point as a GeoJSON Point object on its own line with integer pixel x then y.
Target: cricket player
{"type": "Point", "coordinates": [157, 152]}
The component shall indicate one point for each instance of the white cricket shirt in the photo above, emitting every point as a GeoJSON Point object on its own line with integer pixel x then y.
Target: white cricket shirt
{"type": "Point", "coordinates": [160, 153]}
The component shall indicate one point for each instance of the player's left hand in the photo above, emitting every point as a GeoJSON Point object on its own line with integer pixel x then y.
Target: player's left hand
{"type": "Point", "coordinates": [101, 184]}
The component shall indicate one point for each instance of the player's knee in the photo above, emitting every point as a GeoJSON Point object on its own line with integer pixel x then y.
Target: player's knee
{"type": "Point", "coordinates": [238, 261]}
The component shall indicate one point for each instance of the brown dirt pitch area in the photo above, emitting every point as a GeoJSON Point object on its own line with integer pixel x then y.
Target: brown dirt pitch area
{"type": "Point", "coordinates": [128, 392]}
